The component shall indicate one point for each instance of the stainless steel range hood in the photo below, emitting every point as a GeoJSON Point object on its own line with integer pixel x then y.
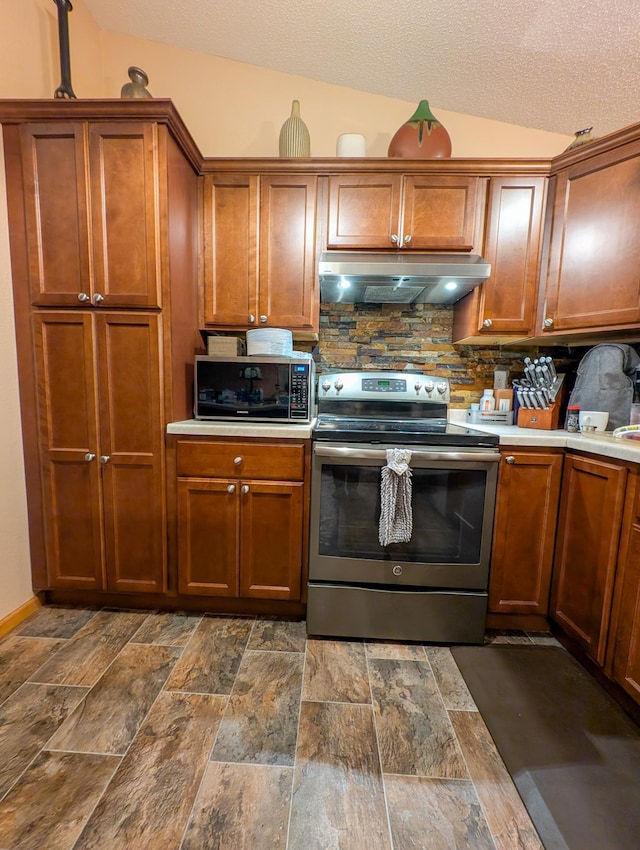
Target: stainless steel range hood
{"type": "Point", "coordinates": [399, 278]}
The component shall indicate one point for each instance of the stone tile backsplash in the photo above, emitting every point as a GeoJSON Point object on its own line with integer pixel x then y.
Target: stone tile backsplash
{"type": "Point", "coordinates": [391, 336]}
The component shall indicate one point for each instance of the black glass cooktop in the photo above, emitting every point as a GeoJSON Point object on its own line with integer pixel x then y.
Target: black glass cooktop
{"type": "Point", "coordinates": [425, 432]}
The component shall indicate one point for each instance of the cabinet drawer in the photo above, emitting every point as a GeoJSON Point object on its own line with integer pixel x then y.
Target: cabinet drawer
{"type": "Point", "coordinates": [284, 461]}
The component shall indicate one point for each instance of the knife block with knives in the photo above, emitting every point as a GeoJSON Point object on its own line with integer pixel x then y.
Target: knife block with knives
{"type": "Point", "coordinates": [547, 419]}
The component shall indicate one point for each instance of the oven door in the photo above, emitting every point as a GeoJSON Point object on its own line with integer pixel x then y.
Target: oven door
{"type": "Point", "coordinates": [453, 499]}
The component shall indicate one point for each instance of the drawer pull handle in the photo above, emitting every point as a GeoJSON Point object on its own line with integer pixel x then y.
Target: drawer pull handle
{"type": "Point", "coordinates": [510, 459]}
{"type": "Point", "coordinates": [237, 461]}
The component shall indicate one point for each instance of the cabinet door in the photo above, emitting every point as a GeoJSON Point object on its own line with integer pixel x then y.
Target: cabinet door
{"type": "Point", "coordinates": [68, 427]}
{"type": "Point", "coordinates": [593, 278]}
{"type": "Point", "coordinates": [512, 246]}
{"type": "Point", "coordinates": [56, 218]}
{"type": "Point", "coordinates": [288, 292]}
{"type": "Point", "coordinates": [586, 551]}
{"type": "Point", "coordinates": [271, 535]}
{"type": "Point", "coordinates": [626, 640]}
{"type": "Point", "coordinates": [364, 211]}
{"type": "Point", "coordinates": [230, 250]}
{"type": "Point", "coordinates": [132, 451]}
{"type": "Point", "coordinates": [439, 212]}
{"type": "Point", "coordinates": [125, 214]}
{"type": "Point", "coordinates": [524, 532]}
{"type": "Point", "coordinates": [208, 536]}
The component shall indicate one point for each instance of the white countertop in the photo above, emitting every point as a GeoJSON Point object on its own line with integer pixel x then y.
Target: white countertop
{"type": "Point", "coordinates": [510, 435]}
{"type": "Point", "coordinates": [268, 430]}
{"type": "Point", "coordinates": [599, 442]}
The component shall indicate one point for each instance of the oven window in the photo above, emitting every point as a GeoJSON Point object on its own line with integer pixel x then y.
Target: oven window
{"type": "Point", "coordinates": [448, 508]}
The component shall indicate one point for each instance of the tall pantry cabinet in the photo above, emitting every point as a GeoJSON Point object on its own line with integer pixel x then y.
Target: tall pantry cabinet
{"type": "Point", "coordinates": [103, 221]}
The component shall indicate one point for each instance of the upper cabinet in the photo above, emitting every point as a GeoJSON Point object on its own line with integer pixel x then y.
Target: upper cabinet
{"type": "Point", "coordinates": [91, 207]}
{"type": "Point", "coordinates": [425, 212]}
{"type": "Point", "coordinates": [592, 274]}
{"type": "Point", "coordinates": [503, 307]}
{"type": "Point", "coordinates": [260, 251]}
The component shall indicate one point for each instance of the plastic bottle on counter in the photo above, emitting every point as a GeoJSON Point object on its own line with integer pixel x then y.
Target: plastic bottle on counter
{"type": "Point", "coordinates": [572, 422]}
{"type": "Point", "coordinates": [487, 402]}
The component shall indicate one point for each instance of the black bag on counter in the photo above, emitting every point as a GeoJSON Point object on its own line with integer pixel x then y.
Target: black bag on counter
{"type": "Point", "coordinates": [605, 381]}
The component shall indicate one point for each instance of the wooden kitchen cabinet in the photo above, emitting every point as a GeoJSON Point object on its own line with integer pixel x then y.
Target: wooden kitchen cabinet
{"type": "Point", "coordinates": [524, 532]}
{"type": "Point", "coordinates": [426, 212]}
{"type": "Point", "coordinates": [242, 518]}
{"type": "Point", "coordinates": [260, 251]}
{"type": "Point", "coordinates": [103, 200]}
{"type": "Point", "coordinates": [503, 307]}
{"type": "Point", "coordinates": [624, 643]}
{"type": "Point", "coordinates": [101, 449]}
{"type": "Point", "coordinates": [592, 273]}
{"type": "Point", "coordinates": [91, 207]}
{"type": "Point", "coordinates": [591, 508]}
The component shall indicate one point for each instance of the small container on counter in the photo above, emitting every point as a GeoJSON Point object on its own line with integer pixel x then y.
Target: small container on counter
{"type": "Point", "coordinates": [572, 421]}
{"type": "Point", "coordinates": [474, 412]}
{"type": "Point", "coordinates": [487, 402]}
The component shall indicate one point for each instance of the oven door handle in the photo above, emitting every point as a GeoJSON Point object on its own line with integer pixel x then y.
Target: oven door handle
{"type": "Point", "coordinates": [347, 452]}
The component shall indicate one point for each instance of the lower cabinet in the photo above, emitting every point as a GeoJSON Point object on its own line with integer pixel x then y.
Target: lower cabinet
{"type": "Point", "coordinates": [242, 518]}
{"type": "Point", "coordinates": [624, 645]}
{"type": "Point", "coordinates": [524, 531]}
{"type": "Point", "coordinates": [101, 448]}
{"type": "Point", "coordinates": [590, 521]}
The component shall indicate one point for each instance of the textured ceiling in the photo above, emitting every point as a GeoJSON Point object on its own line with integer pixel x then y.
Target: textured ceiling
{"type": "Point", "coordinates": [556, 65]}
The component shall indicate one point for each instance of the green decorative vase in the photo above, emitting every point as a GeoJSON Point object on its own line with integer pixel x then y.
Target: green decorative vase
{"type": "Point", "coordinates": [294, 135]}
{"type": "Point", "coordinates": [421, 137]}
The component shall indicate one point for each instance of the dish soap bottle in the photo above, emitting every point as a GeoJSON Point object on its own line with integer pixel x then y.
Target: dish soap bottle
{"type": "Point", "coordinates": [487, 402]}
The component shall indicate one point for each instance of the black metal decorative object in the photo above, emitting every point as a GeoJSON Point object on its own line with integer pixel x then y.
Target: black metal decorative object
{"type": "Point", "coordinates": [64, 90]}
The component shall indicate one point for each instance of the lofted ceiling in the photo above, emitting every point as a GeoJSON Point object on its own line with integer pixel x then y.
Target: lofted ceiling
{"type": "Point", "coordinates": [556, 65]}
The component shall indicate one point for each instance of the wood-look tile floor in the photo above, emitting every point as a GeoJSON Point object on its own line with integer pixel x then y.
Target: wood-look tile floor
{"type": "Point", "coordinates": [156, 731]}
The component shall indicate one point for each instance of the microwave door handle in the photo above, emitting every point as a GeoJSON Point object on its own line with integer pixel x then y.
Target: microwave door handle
{"type": "Point", "coordinates": [348, 453]}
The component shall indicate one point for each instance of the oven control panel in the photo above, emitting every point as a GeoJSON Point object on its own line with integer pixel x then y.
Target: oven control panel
{"type": "Point", "coordinates": [392, 386]}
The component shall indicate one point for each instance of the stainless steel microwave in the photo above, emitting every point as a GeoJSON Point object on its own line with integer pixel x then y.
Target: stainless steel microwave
{"type": "Point", "coordinates": [254, 389]}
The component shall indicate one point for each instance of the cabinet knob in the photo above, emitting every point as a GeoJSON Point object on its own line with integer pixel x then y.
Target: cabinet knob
{"type": "Point", "coordinates": [237, 461]}
{"type": "Point", "coordinates": [97, 298]}
{"type": "Point", "coordinates": [231, 488]}
{"type": "Point", "coordinates": [89, 456]}
{"type": "Point", "coordinates": [105, 458]}
{"type": "Point", "coordinates": [244, 488]}
{"type": "Point", "coordinates": [510, 459]}
{"type": "Point", "coordinates": [252, 318]}
{"type": "Point", "coordinates": [487, 323]}
{"type": "Point", "coordinates": [394, 238]}
{"type": "Point", "coordinates": [82, 296]}
{"type": "Point", "coordinates": [263, 319]}
{"type": "Point", "coordinates": [548, 322]}
{"type": "Point", "coordinates": [407, 239]}
{"type": "Point", "coordinates": [397, 570]}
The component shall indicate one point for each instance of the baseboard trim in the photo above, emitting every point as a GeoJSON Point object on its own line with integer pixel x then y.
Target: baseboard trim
{"type": "Point", "coordinates": [16, 617]}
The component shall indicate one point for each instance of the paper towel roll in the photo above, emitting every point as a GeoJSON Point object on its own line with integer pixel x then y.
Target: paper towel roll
{"type": "Point", "coordinates": [351, 144]}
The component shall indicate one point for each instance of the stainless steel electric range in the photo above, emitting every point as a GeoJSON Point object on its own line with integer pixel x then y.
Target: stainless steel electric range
{"type": "Point", "coordinates": [432, 587]}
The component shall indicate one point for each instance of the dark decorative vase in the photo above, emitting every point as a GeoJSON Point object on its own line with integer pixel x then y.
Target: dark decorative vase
{"type": "Point", "coordinates": [422, 137]}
